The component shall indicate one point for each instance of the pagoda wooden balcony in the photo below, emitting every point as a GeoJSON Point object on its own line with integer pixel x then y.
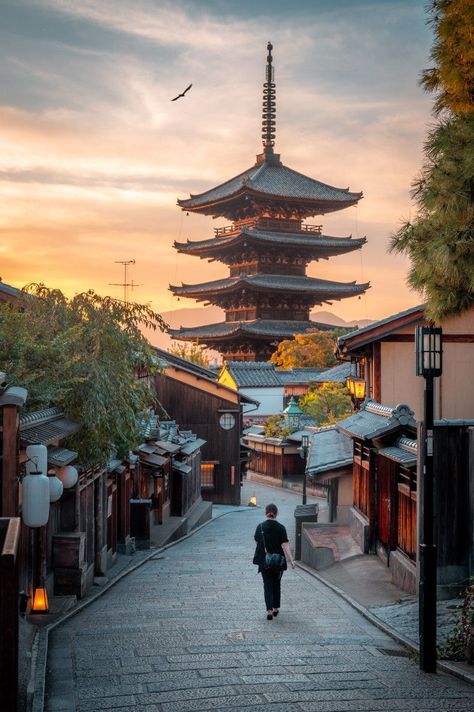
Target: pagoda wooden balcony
{"type": "Point", "coordinates": [270, 224]}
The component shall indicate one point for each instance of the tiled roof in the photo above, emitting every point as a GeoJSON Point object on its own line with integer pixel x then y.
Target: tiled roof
{"type": "Point", "coordinates": [7, 292]}
{"type": "Point", "coordinates": [265, 328]}
{"type": "Point", "coordinates": [374, 420]}
{"type": "Point", "coordinates": [386, 326]}
{"type": "Point", "coordinates": [184, 364]}
{"type": "Point", "coordinates": [329, 449]}
{"type": "Point", "coordinates": [274, 179]}
{"type": "Point", "coordinates": [45, 427]}
{"type": "Point", "coordinates": [323, 244]}
{"type": "Point", "coordinates": [319, 288]}
{"type": "Point", "coordinates": [60, 456]}
{"type": "Point", "coordinates": [253, 374]}
{"type": "Point", "coordinates": [298, 375]}
{"type": "Point", "coordinates": [404, 451]}
{"type": "Point", "coordinates": [336, 374]}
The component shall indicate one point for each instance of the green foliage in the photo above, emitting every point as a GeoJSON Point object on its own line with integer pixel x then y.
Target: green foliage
{"type": "Point", "coordinates": [452, 77]}
{"type": "Point", "coordinates": [440, 241]}
{"type": "Point", "coordinates": [274, 427]}
{"type": "Point", "coordinates": [191, 352]}
{"type": "Point", "coordinates": [460, 643]}
{"type": "Point", "coordinates": [85, 355]}
{"type": "Point", "coordinates": [314, 349]}
{"type": "Point", "coordinates": [327, 404]}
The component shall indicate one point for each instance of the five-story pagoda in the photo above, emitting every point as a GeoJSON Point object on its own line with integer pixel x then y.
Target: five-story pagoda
{"type": "Point", "coordinates": [267, 296]}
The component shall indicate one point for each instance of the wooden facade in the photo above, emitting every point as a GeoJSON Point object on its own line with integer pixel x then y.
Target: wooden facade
{"type": "Point", "coordinates": [213, 411]}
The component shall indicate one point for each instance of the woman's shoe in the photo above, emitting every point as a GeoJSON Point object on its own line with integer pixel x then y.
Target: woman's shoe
{"type": "Point", "coordinates": [269, 616]}
{"type": "Point", "coordinates": [275, 612]}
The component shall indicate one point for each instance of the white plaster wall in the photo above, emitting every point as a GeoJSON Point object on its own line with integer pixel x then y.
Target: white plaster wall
{"type": "Point", "coordinates": [454, 391]}
{"type": "Point", "coordinates": [399, 384]}
{"type": "Point", "coordinates": [270, 399]}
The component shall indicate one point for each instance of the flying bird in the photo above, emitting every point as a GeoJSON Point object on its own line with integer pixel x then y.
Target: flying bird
{"type": "Point", "coordinates": [183, 93]}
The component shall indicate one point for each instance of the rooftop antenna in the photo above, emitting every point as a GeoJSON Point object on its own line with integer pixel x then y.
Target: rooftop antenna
{"type": "Point", "coordinates": [124, 284]}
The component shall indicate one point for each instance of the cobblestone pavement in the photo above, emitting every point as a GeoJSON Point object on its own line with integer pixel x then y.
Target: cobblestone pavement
{"type": "Point", "coordinates": [187, 631]}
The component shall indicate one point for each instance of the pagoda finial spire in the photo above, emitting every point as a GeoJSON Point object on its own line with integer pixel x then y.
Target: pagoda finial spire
{"type": "Point", "coordinates": [269, 106]}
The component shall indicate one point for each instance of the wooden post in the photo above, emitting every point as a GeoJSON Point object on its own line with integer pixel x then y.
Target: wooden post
{"type": "Point", "coordinates": [9, 462]}
{"type": "Point", "coordinates": [10, 538]}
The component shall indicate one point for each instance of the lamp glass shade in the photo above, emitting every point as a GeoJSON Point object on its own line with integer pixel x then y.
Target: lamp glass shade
{"type": "Point", "coordinates": [35, 500]}
{"type": "Point", "coordinates": [40, 601]}
{"type": "Point", "coordinates": [350, 385]}
{"type": "Point", "coordinates": [429, 351]}
{"type": "Point", "coordinates": [359, 388]}
{"type": "Point", "coordinates": [55, 488]}
{"type": "Point", "coordinates": [68, 476]}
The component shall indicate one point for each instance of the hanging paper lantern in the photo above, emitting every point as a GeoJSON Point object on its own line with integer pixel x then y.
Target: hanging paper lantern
{"type": "Point", "coordinates": [35, 487]}
{"type": "Point", "coordinates": [35, 500]}
{"type": "Point", "coordinates": [37, 459]}
{"type": "Point", "coordinates": [55, 487]}
{"type": "Point", "coordinates": [68, 476]}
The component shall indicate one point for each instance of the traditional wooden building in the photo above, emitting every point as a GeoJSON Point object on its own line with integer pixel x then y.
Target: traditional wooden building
{"type": "Point", "coordinates": [191, 394]}
{"type": "Point", "coordinates": [383, 517]}
{"type": "Point", "coordinates": [384, 354]}
{"type": "Point", "coordinates": [267, 296]}
{"type": "Point", "coordinates": [329, 466]}
{"type": "Point", "coordinates": [274, 388]}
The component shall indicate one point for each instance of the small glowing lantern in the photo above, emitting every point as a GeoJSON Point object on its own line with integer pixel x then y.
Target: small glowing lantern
{"type": "Point", "coordinates": [68, 476]}
{"type": "Point", "coordinates": [35, 487]}
{"type": "Point", "coordinates": [40, 601]}
{"type": "Point", "coordinates": [252, 501]}
{"type": "Point", "coordinates": [350, 385]}
{"type": "Point", "coordinates": [359, 388]}
{"type": "Point", "coordinates": [55, 487]}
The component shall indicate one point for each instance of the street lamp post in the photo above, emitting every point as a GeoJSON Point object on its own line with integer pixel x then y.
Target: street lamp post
{"type": "Point", "coordinates": [304, 454]}
{"type": "Point", "coordinates": [429, 356]}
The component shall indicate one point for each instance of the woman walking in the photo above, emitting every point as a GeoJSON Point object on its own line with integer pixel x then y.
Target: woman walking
{"type": "Point", "coordinates": [271, 537]}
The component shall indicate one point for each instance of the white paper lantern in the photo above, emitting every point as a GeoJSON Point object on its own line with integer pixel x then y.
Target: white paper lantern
{"type": "Point", "coordinates": [55, 487]}
{"type": "Point", "coordinates": [68, 476]}
{"type": "Point", "coordinates": [35, 500]}
{"type": "Point", "coordinates": [37, 459]}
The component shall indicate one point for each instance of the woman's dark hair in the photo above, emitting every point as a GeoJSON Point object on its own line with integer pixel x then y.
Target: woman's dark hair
{"type": "Point", "coordinates": [271, 510]}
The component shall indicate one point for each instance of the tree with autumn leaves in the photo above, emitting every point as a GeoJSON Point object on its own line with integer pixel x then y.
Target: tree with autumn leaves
{"type": "Point", "coordinates": [440, 240]}
{"type": "Point", "coordinates": [312, 349]}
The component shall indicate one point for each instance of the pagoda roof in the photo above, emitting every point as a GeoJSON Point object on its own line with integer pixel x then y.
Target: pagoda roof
{"type": "Point", "coordinates": [271, 179]}
{"type": "Point", "coordinates": [264, 329]}
{"type": "Point", "coordinates": [314, 242]}
{"type": "Point", "coordinates": [297, 284]}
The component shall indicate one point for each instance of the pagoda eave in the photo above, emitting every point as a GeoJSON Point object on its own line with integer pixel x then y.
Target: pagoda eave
{"type": "Point", "coordinates": [258, 329]}
{"type": "Point", "coordinates": [316, 290]}
{"type": "Point", "coordinates": [246, 202]}
{"type": "Point", "coordinates": [319, 247]}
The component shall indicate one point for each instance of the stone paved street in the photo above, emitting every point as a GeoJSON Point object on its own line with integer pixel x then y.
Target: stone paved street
{"type": "Point", "coordinates": [187, 631]}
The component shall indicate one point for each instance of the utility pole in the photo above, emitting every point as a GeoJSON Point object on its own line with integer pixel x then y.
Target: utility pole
{"type": "Point", "coordinates": [124, 284]}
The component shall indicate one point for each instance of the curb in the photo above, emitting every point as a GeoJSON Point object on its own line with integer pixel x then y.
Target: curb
{"type": "Point", "coordinates": [443, 666]}
{"type": "Point", "coordinates": [38, 672]}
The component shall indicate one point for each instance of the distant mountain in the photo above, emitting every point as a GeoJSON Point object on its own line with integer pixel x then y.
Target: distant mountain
{"type": "Point", "coordinates": [211, 315]}
{"type": "Point", "coordinates": [326, 317]}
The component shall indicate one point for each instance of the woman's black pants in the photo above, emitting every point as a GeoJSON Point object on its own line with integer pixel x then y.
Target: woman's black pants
{"type": "Point", "coordinates": [272, 588]}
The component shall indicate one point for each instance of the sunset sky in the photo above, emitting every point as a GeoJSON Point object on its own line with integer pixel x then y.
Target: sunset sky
{"type": "Point", "coordinates": [93, 154]}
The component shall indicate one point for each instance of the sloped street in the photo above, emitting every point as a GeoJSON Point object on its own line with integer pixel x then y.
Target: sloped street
{"type": "Point", "coordinates": [188, 631]}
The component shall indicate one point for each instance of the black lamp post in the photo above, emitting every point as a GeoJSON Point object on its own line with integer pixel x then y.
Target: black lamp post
{"type": "Point", "coordinates": [429, 364]}
{"type": "Point", "coordinates": [304, 453]}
